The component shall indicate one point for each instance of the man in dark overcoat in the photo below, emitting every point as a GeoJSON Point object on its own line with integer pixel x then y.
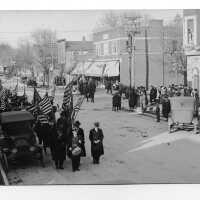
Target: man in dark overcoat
{"type": "Point", "coordinates": [92, 89]}
{"type": "Point", "coordinates": [62, 122]}
{"type": "Point", "coordinates": [96, 138]}
{"type": "Point", "coordinates": [166, 108]}
{"type": "Point", "coordinates": [58, 148]}
{"type": "Point", "coordinates": [114, 102]}
{"type": "Point", "coordinates": [86, 90]}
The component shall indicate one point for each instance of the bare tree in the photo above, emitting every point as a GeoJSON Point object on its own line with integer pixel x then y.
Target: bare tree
{"type": "Point", "coordinates": [113, 19]}
{"type": "Point", "coordinates": [175, 48]}
{"type": "Point", "coordinates": [6, 54]}
{"type": "Point", "coordinates": [44, 44]}
{"type": "Point", "coordinates": [25, 56]}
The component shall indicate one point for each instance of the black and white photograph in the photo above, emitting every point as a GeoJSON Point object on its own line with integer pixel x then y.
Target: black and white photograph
{"type": "Point", "coordinates": [99, 97]}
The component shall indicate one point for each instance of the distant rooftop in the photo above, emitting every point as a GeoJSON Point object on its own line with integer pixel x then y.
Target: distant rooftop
{"type": "Point", "coordinates": [79, 45]}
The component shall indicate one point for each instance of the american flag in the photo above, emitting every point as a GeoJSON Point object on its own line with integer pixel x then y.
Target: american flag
{"type": "Point", "coordinates": [67, 98]}
{"type": "Point", "coordinates": [32, 109]}
{"type": "Point", "coordinates": [42, 119]}
{"type": "Point", "coordinates": [45, 105]}
{"type": "Point", "coordinates": [77, 107]}
{"type": "Point", "coordinates": [3, 105]}
{"type": "Point", "coordinates": [3, 95]}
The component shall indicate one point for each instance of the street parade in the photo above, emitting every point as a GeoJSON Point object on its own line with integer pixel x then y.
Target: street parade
{"type": "Point", "coordinates": [122, 107]}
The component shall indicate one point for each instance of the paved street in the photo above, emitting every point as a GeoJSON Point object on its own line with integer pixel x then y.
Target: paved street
{"type": "Point", "coordinates": [137, 150]}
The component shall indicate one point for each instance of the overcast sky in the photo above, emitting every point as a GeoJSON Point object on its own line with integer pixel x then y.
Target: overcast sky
{"type": "Point", "coordinates": [72, 25]}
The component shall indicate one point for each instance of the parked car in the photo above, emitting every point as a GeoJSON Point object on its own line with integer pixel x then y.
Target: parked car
{"type": "Point", "coordinates": [18, 140]}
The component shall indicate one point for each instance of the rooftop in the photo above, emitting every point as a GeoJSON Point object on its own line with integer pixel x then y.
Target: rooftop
{"type": "Point", "coordinates": [79, 45]}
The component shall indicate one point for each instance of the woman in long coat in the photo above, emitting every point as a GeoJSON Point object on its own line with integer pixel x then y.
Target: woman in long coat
{"type": "Point", "coordinates": [96, 138]}
{"type": "Point", "coordinates": [74, 145]}
{"type": "Point", "coordinates": [80, 133]}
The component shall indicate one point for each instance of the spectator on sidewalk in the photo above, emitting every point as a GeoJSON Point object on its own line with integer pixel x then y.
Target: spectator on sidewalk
{"type": "Point", "coordinates": [80, 133]}
{"type": "Point", "coordinates": [92, 89]}
{"type": "Point", "coordinates": [74, 150]}
{"type": "Point", "coordinates": [96, 138]}
{"type": "Point", "coordinates": [157, 112]}
{"type": "Point", "coordinates": [58, 148]}
{"type": "Point", "coordinates": [166, 108]}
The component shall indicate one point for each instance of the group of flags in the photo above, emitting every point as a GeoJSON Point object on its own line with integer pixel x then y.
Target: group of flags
{"type": "Point", "coordinates": [4, 94]}
{"type": "Point", "coordinates": [68, 100]}
{"type": "Point", "coordinates": [68, 97]}
{"type": "Point", "coordinates": [44, 105]}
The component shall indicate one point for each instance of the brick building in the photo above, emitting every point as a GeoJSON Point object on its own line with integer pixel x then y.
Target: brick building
{"type": "Point", "coordinates": [78, 52]}
{"type": "Point", "coordinates": [191, 44]}
{"type": "Point", "coordinates": [110, 45]}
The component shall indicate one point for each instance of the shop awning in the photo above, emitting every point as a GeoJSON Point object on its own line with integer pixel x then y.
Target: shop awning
{"type": "Point", "coordinates": [96, 69]}
{"type": "Point", "coordinates": [111, 69]}
{"type": "Point", "coordinates": [81, 68]}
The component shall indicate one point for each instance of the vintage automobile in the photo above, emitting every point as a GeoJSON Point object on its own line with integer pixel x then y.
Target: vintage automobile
{"type": "Point", "coordinates": [182, 114]}
{"type": "Point", "coordinates": [18, 141]}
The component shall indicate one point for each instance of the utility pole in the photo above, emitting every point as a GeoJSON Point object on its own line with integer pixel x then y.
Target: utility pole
{"type": "Point", "coordinates": [163, 59]}
{"type": "Point", "coordinates": [147, 60]}
{"type": "Point", "coordinates": [130, 49]}
{"type": "Point", "coordinates": [132, 30]}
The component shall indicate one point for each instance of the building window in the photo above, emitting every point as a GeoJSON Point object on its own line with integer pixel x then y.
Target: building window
{"type": "Point", "coordinates": [114, 48]}
{"type": "Point", "coordinates": [105, 36]}
{"type": "Point", "coordinates": [106, 48]}
{"type": "Point", "coordinates": [190, 31]}
{"type": "Point", "coordinates": [98, 50]}
{"type": "Point", "coordinates": [101, 49]}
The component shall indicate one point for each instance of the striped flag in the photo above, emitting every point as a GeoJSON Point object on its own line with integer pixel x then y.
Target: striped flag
{"type": "Point", "coordinates": [32, 108]}
{"type": "Point", "coordinates": [67, 98]}
{"type": "Point", "coordinates": [42, 119]}
{"type": "Point", "coordinates": [3, 95]}
{"type": "Point", "coordinates": [77, 107]}
{"type": "Point", "coordinates": [45, 105]}
{"type": "Point", "coordinates": [3, 105]}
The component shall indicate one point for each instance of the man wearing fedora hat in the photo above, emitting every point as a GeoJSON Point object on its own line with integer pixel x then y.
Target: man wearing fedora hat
{"type": "Point", "coordinates": [96, 138]}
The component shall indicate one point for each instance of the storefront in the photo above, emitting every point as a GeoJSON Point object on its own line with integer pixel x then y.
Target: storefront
{"type": "Point", "coordinates": [104, 68]}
